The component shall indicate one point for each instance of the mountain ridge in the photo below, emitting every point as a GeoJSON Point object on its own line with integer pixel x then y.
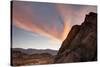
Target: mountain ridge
{"type": "Point", "coordinates": [35, 51]}
{"type": "Point", "coordinates": [81, 43]}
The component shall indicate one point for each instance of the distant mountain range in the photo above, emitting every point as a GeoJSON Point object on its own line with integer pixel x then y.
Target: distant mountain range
{"type": "Point", "coordinates": [22, 56]}
{"type": "Point", "coordinates": [35, 51]}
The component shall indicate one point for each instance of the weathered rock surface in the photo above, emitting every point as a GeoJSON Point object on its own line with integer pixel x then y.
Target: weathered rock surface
{"type": "Point", "coordinates": [81, 42]}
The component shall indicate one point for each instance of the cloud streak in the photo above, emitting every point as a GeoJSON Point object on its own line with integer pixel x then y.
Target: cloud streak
{"type": "Point", "coordinates": [27, 18]}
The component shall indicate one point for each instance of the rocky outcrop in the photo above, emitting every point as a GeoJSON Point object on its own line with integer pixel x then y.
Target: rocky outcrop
{"type": "Point", "coordinates": [81, 42]}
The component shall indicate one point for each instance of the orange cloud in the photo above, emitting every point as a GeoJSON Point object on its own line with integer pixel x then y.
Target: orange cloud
{"type": "Point", "coordinates": [24, 18]}
{"type": "Point", "coordinates": [64, 13]}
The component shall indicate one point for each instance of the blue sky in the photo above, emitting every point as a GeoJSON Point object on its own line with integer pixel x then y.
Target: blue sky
{"type": "Point", "coordinates": [45, 25]}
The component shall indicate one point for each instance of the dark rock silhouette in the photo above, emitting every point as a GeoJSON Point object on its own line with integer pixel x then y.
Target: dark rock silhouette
{"type": "Point", "coordinates": [81, 42]}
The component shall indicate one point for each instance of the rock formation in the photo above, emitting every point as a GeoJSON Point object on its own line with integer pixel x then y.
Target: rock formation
{"type": "Point", "coordinates": [81, 42]}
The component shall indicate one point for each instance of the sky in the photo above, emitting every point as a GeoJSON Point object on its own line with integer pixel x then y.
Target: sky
{"type": "Point", "coordinates": [41, 25]}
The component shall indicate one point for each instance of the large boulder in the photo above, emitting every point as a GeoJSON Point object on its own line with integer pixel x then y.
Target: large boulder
{"type": "Point", "coordinates": [81, 42]}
